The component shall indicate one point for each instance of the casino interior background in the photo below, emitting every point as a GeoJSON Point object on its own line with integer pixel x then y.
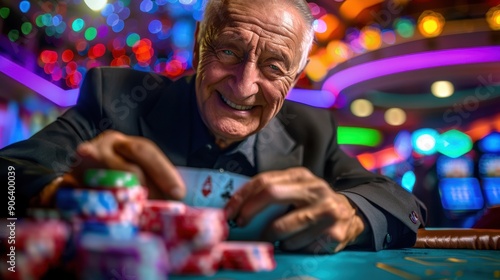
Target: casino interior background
{"type": "Point", "coordinates": [415, 83]}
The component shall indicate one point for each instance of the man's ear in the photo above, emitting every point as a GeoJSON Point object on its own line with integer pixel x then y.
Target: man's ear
{"type": "Point", "coordinates": [196, 50]}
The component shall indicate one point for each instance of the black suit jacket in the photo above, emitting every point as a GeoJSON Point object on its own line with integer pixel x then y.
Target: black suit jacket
{"type": "Point", "coordinates": [149, 105]}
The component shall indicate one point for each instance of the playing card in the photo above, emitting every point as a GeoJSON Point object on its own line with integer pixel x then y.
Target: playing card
{"type": "Point", "coordinates": [214, 188]}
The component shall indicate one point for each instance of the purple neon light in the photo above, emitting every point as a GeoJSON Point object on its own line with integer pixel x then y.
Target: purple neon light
{"type": "Point", "coordinates": [316, 98]}
{"type": "Point", "coordinates": [383, 67]}
{"type": "Point", "coordinates": [38, 84]}
{"type": "Point", "coordinates": [65, 98]}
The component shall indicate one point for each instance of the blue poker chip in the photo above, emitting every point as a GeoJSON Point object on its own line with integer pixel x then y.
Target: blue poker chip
{"type": "Point", "coordinates": [111, 229]}
{"type": "Point", "coordinates": [87, 202]}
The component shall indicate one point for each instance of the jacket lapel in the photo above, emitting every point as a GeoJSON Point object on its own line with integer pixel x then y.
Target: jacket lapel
{"type": "Point", "coordinates": [275, 148]}
{"type": "Point", "coordinates": [168, 123]}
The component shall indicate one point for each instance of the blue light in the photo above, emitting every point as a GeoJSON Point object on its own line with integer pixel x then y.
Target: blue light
{"type": "Point", "coordinates": [108, 9]}
{"type": "Point", "coordinates": [459, 194]}
{"type": "Point", "coordinates": [490, 143]}
{"type": "Point", "coordinates": [182, 34]}
{"type": "Point", "coordinates": [489, 165]}
{"type": "Point", "coordinates": [24, 6]}
{"type": "Point", "coordinates": [316, 98]}
{"type": "Point", "coordinates": [402, 144]}
{"type": "Point", "coordinates": [118, 26]}
{"type": "Point", "coordinates": [155, 26]}
{"type": "Point", "coordinates": [146, 6]}
{"type": "Point", "coordinates": [461, 167]}
{"type": "Point", "coordinates": [491, 188]}
{"type": "Point", "coordinates": [112, 19]}
{"type": "Point", "coordinates": [424, 141]}
{"type": "Point", "coordinates": [408, 180]}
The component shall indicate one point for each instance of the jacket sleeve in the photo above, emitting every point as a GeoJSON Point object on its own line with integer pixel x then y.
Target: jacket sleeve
{"type": "Point", "coordinates": [50, 152]}
{"type": "Point", "coordinates": [393, 213]}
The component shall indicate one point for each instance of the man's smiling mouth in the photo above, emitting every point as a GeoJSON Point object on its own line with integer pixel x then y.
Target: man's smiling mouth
{"type": "Point", "coordinates": [235, 106]}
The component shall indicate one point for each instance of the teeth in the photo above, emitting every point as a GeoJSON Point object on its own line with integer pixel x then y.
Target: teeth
{"type": "Point", "coordinates": [236, 106]}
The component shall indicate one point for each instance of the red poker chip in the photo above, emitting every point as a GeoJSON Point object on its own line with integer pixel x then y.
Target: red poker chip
{"type": "Point", "coordinates": [150, 218]}
{"type": "Point", "coordinates": [247, 256]}
{"type": "Point", "coordinates": [202, 227]}
{"type": "Point", "coordinates": [184, 260]}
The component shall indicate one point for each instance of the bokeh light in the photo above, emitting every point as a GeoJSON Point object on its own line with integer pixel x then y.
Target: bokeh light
{"type": "Point", "coordinates": [395, 116]}
{"type": "Point", "coordinates": [361, 108]}
{"type": "Point", "coordinates": [96, 5]}
{"type": "Point", "coordinates": [442, 89]}
{"type": "Point", "coordinates": [424, 141]}
{"type": "Point", "coordinates": [493, 17]}
{"type": "Point", "coordinates": [430, 24]}
{"type": "Point", "coordinates": [405, 27]}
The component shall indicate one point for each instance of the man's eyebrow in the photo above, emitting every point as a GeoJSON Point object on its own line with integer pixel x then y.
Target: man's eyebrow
{"type": "Point", "coordinates": [281, 56]}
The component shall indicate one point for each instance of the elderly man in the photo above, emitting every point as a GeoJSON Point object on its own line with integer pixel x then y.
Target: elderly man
{"type": "Point", "coordinates": [232, 115]}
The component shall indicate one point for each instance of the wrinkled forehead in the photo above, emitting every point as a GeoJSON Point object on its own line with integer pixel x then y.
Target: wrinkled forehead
{"type": "Point", "coordinates": [261, 13]}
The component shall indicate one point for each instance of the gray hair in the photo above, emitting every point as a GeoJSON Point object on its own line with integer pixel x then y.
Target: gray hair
{"type": "Point", "coordinates": [213, 15]}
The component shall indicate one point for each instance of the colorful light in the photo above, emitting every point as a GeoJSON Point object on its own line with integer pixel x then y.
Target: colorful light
{"type": "Point", "coordinates": [370, 38]}
{"type": "Point", "coordinates": [442, 89]}
{"type": "Point", "coordinates": [327, 27]}
{"type": "Point", "coordinates": [490, 143]}
{"type": "Point", "coordinates": [405, 27]}
{"type": "Point", "coordinates": [454, 143]}
{"type": "Point", "coordinates": [315, 69]}
{"type": "Point", "coordinates": [24, 6]}
{"type": "Point", "coordinates": [132, 38]}
{"type": "Point", "coordinates": [342, 79]}
{"type": "Point", "coordinates": [78, 25]}
{"type": "Point", "coordinates": [90, 33]}
{"type": "Point", "coordinates": [358, 136]}
{"type": "Point", "coordinates": [402, 144]}
{"type": "Point", "coordinates": [430, 24]}
{"type": "Point", "coordinates": [395, 116]}
{"type": "Point", "coordinates": [408, 180]}
{"type": "Point", "coordinates": [315, 98]}
{"type": "Point", "coordinates": [13, 35]}
{"type": "Point", "coordinates": [96, 5]}
{"type": "Point", "coordinates": [4, 12]}
{"type": "Point", "coordinates": [361, 108]}
{"type": "Point", "coordinates": [493, 17]}
{"type": "Point", "coordinates": [424, 141]}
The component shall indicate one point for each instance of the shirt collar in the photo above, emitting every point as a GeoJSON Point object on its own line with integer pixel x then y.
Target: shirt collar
{"type": "Point", "coordinates": [202, 138]}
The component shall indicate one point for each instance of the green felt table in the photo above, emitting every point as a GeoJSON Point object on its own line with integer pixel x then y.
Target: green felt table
{"type": "Point", "coordinates": [388, 264]}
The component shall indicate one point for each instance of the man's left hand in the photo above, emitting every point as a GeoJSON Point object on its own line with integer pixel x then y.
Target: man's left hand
{"type": "Point", "coordinates": [321, 220]}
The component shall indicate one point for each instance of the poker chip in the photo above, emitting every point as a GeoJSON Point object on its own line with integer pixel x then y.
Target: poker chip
{"type": "Point", "coordinates": [150, 219]}
{"type": "Point", "coordinates": [202, 227]}
{"type": "Point", "coordinates": [103, 257]}
{"type": "Point", "coordinates": [115, 230]}
{"type": "Point", "coordinates": [247, 256]}
{"type": "Point", "coordinates": [110, 178]}
{"type": "Point", "coordinates": [184, 260]}
{"type": "Point", "coordinates": [86, 202]}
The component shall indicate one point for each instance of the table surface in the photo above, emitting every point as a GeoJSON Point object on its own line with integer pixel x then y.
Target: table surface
{"type": "Point", "coordinates": [387, 264]}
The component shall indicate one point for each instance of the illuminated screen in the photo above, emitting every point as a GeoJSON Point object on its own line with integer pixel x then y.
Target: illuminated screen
{"type": "Point", "coordinates": [460, 194]}
{"type": "Point", "coordinates": [489, 165]}
{"type": "Point", "coordinates": [491, 187]}
{"type": "Point", "coordinates": [454, 167]}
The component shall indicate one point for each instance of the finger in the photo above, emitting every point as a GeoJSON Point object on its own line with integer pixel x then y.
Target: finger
{"type": "Point", "coordinates": [294, 193]}
{"type": "Point", "coordinates": [234, 205]}
{"type": "Point", "coordinates": [305, 238]}
{"type": "Point", "coordinates": [154, 164]}
{"type": "Point", "coordinates": [302, 225]}
{"type": "Point", "coordinates": [99, 154]}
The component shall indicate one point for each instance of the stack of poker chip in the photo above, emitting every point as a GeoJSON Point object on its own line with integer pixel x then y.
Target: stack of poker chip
{"type": "Point", "coordinates": [195, 239]}
{"type": "Point", "coordinates": [192, 239]}
{"type": "Point", "coordinates": [105, 210]}
{"type": "Point", "coordinates": [30, 248]}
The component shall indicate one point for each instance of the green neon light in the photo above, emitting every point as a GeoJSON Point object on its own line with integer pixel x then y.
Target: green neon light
{"type": "Point", "coordinates": [358, 136]}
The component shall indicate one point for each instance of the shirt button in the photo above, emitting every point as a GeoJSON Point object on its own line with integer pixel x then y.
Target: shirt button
{"type": "Point", "coordinates": [209, 147]}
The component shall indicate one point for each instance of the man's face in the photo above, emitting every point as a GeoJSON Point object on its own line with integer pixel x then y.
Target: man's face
{"type": "Point", "coordinates": [246, 67]}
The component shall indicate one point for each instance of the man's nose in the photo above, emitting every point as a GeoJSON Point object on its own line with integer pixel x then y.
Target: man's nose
{"type": "Point", "coordinates": [246, 80]}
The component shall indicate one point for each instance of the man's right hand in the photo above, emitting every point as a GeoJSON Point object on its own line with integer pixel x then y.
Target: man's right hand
{"type": "Point", "coordinates": [115, 150]}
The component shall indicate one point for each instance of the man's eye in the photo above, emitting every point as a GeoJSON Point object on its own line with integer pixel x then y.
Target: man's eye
{"type": "Point", "coordinates": [274, 67]}
{"type": "Point", "coordinates": [228, 52]}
